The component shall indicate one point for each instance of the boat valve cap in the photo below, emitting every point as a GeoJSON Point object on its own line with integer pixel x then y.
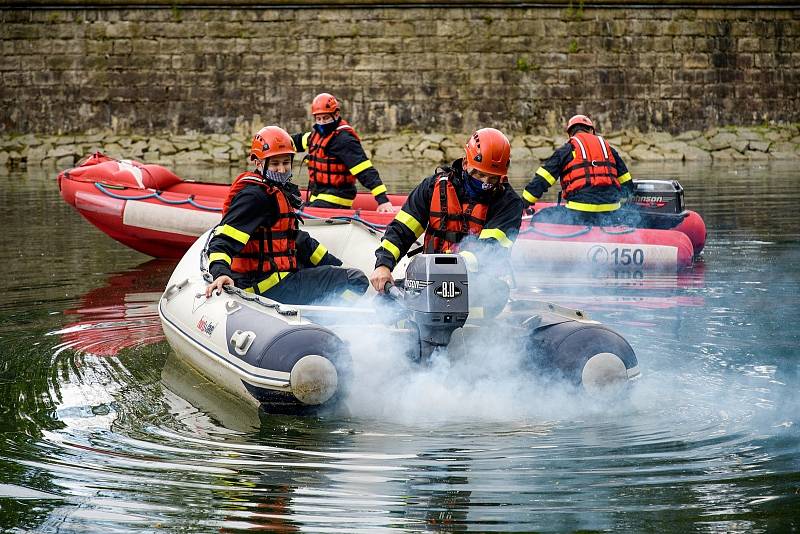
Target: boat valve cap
{"type": "Point", "coordinates": [604, 373]}
{"type": "Point", "coordinates": [313, 379]}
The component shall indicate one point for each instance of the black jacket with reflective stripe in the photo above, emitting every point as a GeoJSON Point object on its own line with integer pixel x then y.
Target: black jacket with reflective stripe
{"type": "Point", "coordinates": [249, 209]}
{"type": "Point", "coordinates": [560, 160]}
{"type": "Point", "coordinates": [349, 151]}
{"type": "Point", "coordinates": [504, 214]}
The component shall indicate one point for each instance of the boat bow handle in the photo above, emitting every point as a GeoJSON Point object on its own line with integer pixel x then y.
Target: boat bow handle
{"type": "Point", "coordinates": [176, 288]}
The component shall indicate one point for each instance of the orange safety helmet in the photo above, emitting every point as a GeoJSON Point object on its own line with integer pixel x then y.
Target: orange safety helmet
{"type": "Point", "coordinates": [271, 141]}
{"type": "Point", "coordinates": [489, 151]}
{"type": "Point", "coordinates": [579, 119]}
{"type": "Point", "coordinates": [324, 103]}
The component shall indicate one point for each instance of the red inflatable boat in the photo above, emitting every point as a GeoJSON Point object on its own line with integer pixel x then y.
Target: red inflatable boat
{"type": "Point", "coordinates": [150, 209]}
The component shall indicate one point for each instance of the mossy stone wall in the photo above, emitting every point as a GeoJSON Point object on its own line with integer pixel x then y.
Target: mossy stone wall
{"type": "Point", "coordinates": [151, 67]}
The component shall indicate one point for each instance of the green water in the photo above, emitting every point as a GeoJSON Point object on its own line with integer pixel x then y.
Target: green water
{"type": "Point", "coordinates": [103, 430]}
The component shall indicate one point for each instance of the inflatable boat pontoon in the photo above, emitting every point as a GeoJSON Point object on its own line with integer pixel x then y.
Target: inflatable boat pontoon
{"type": "Point", "coordinates": [290, 356]}
{"type": "Point", "coordinates": [152, 210]}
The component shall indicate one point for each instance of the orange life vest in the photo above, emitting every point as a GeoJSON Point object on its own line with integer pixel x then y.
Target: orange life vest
{"type": "Point", "coordinates": [269, 249]}
{"type": "Point", "coordinates": [450, 219]}
{"type": "Point", "coordinates": [324, 169]}
{"type": "Point", "coordinates": [593, 164]}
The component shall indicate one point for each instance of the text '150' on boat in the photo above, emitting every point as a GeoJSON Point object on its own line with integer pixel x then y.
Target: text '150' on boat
{"type": "Point", "coordinates": [150, 209]}
{"type": "Point", "coordinates": [296, 357]}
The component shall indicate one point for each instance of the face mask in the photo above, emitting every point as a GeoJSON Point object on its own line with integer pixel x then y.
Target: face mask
{"type": "Point", "coordinates": [278, 177]}
{"type": "Point", "coordinates": [325, 129]}
{"type": "Point", "coordinates": [474, 187]}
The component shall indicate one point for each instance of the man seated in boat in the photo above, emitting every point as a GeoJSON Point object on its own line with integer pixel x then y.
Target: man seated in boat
{"type": "Point", "coordinates": [258, 245]}
{"type": "Point", "coordinates": [594, 179]}
{"type": "Point", "coordinates": [468, 207]}
{"type": "Point", "coordinates": [336, 159]}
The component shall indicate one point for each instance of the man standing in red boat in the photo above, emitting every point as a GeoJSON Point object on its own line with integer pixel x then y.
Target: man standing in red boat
{"type": "Point", "coordinates": [336, 159]}
{"type": "Point", "coordinates": [594, 179]}
{"type": "Point", "coordinates": [468, 208]}
{"type": "Point", "coordinates": [258, 245]}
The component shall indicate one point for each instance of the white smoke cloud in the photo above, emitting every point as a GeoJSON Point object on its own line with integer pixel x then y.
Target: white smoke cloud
{"type": "Point", "coordinates": [490, 383]}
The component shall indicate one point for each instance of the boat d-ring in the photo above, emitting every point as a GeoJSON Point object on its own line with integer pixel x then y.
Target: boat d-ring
{"type": "Point", "coordinates": [242, 340]}
{"type": "Point", "coordinates": [175, 288]}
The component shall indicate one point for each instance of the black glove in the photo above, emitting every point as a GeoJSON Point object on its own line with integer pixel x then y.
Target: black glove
{"type": "Point", "coordinates": [292, 193]}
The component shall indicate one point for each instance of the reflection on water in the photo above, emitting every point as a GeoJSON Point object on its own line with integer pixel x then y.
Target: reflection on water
{"type": "Point", "coordinates": [119, 315]}
{"type": "Point", "coordinates": [104, 430]}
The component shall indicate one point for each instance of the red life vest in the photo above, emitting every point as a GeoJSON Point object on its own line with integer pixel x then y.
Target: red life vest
{"type": "Point", "coordinates": [324, 169]}
{"type": "Point", "coordinates": [593, 164]}
{"type": "Point", "coordinates": [450, 219]}
{"type": "Point", "coordinates": [269, 249]}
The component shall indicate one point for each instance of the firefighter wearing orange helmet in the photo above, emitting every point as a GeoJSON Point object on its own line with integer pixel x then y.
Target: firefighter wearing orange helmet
{"type": "Point", "coordinates": [258, 245]}
{"type": "Point", "coordinates": [593, 177]}
{"type": "Point", "coordinates": [336, 159]}
{"type": "Point", "coordinates": [467, 207]}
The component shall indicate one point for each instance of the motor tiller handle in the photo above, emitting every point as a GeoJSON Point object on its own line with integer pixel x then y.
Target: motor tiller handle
{"type": "Point", "coordinates": [393, 291]}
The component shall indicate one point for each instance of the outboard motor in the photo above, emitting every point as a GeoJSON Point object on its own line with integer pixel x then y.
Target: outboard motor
{"type": "Point", "coordinates": [436, 297]}
{"type": "Point", "coordinates": [554, 341]}
{"type": "Point", "coordinates": [658, 196]}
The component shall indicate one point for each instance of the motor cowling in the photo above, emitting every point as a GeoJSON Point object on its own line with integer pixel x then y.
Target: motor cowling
{"type": "Point", "coordinates": [436, 295]}
{"type": "Point", "coordinates": [658, 196]}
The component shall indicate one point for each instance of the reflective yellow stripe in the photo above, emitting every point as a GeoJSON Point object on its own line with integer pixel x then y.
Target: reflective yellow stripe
{"type": "Point", "coordinates": [499, 235]}
{"type": "Point", "coordinates": [470, 259]}
{"type": "Point", "coordinates": [219, 256]}
{"type": "Point", "coordinates": [378, 190]}
{"type": "Point", "coordinates": [625, 177]}
{"type": "Point", "coordinates": [304, 141]}
{"type": "Point", "coordinates": [364, 165]}
{"type": "Point", "coordinates": [270, 282]}
{"type": "Point", "coordinates": [582, 206]}
{"type": "Point", "coordinates": [391, 247]}
{"type": "Point", "coordinates": [232, 232]}
{"type": "Point", "coordinates": [541, 171]}
{"type": "Point", "coordinates": [318, 254]}
{"type": "Point", "coordinates": [530, 198]}
{"type": "Point", "coordinates": [333, 199]}
{"type": "Point", "coordinates": [410, 222]}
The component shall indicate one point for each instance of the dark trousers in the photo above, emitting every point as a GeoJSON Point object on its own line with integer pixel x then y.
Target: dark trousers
{"type": "Point", "coordinates": [316, 285]}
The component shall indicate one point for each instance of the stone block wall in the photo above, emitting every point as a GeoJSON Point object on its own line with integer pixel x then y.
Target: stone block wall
{"type": "Point", "coordinates": [72, 68]}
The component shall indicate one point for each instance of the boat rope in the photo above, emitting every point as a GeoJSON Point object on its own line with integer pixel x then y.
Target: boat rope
{"type": "Point", "coordinates": [356, 218]}
{"type": "Point", "coordinates": [233, 290]}
{"type": "Point", "coordinates": [157, 195]}
{"type": "Point", "coordinates": [252, 297]}
{"type": "Point", "coordinates": [620, 232]}
{"type": "Point", "coordinates": [104, 188]}
{"type": "Point", "coordinates": [582, 231]}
